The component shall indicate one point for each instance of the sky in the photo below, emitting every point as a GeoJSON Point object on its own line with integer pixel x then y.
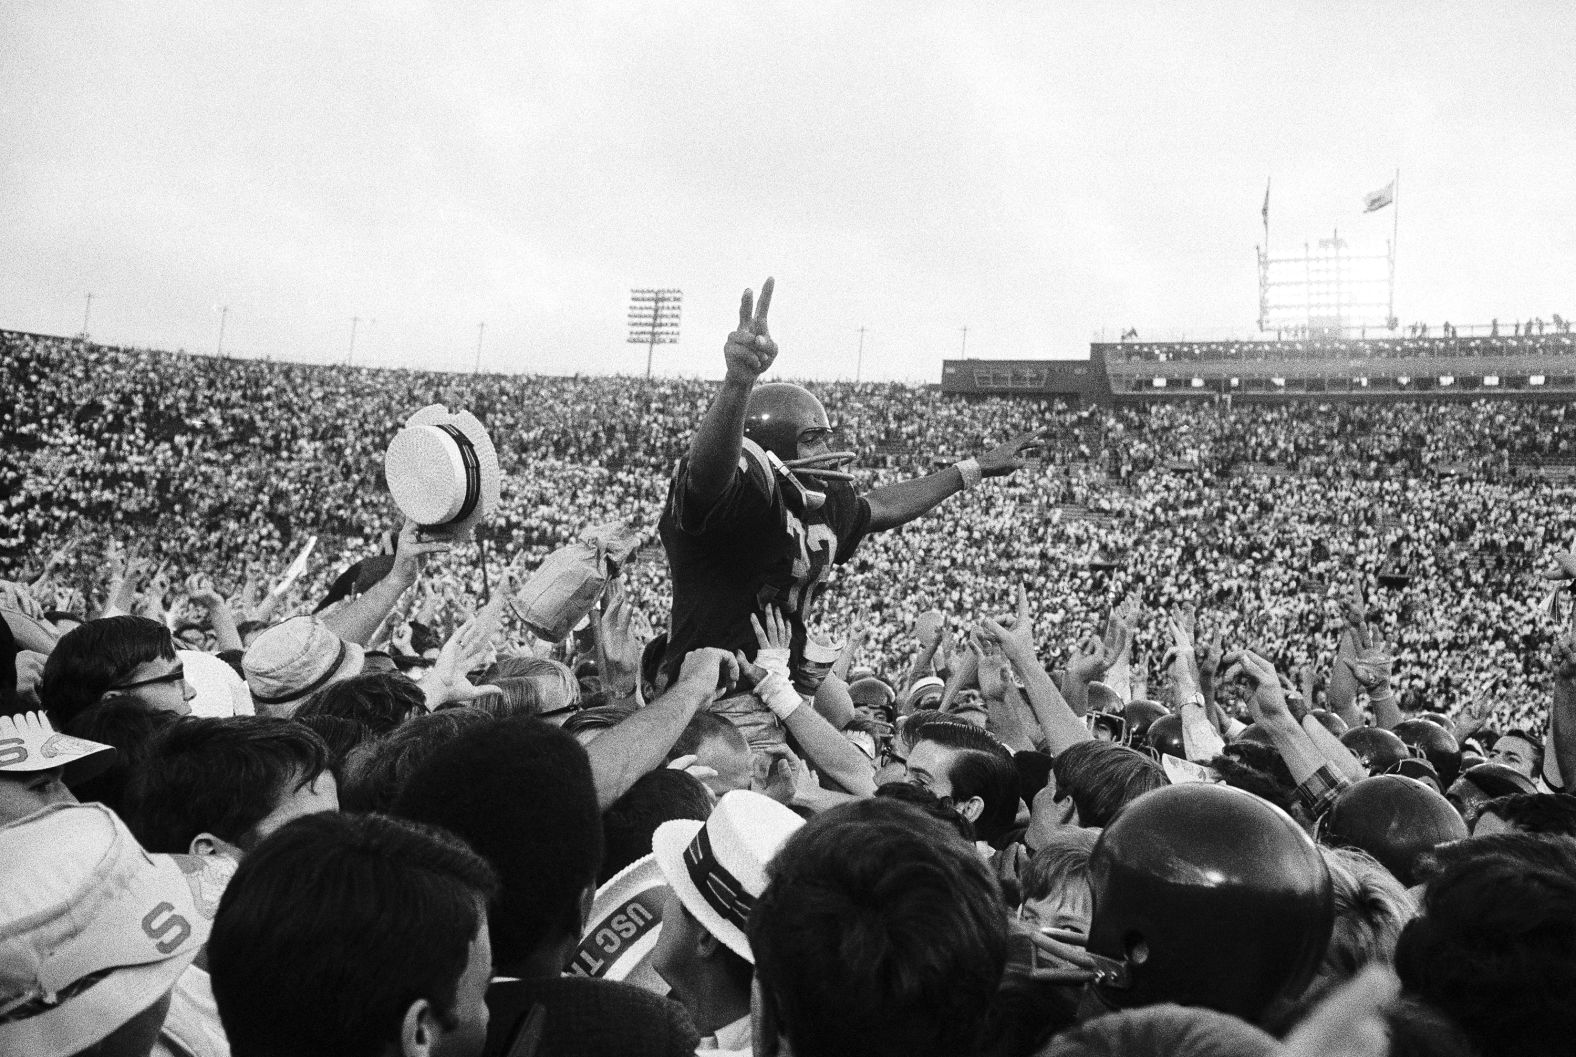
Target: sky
{"type": "Point", "coordinates": [1036, 172]}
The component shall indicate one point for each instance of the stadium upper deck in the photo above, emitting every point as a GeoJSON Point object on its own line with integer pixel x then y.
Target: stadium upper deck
{"type": "Point", "coordinates": [1432, 368]}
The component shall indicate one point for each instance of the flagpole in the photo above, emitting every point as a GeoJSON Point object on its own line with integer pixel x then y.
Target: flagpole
{"type": "Point", "coordinates": [1267, 181]}
{"type": "Point", "coordinates": [1395, 231]}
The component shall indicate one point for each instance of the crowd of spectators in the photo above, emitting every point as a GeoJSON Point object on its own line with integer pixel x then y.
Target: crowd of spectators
{"type": "Point", "coordinates": [1210, 730]}
{"type": "Point", "coordinates": [224, 467]}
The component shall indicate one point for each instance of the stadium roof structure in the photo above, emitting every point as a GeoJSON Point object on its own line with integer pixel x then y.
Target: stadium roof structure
{"type": "Point", "coordinates": [1529, 367]}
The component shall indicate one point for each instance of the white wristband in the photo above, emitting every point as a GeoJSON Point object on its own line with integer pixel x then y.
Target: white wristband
{"type": "Point", "coordinates": [773, 660]}
{"type": "Point", "coordinates": [969, 470]}
{"type": "Point", "coordinates": [778, 694]}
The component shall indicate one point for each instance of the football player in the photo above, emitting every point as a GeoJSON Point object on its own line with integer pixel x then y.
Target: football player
{"type": "Point", "coordinates": [760, 508]}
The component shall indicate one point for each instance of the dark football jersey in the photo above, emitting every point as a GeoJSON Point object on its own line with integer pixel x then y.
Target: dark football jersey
{"type": "Point", "coordinates": [749, 550]}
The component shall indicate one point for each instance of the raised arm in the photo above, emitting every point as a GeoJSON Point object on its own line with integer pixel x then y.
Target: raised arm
{"type": "Point", "coordinates": [640, 743]}
{"type": "Point", "coordinates": [1559, 750]}
{"type": "Point", "coordinates": [714, 450]}
{"type": "Point", "coordinates": [1062, 728]}
{"type": "Point", "coordinates": [897, 504]}
{"type": "Point", "coordinates": [359, 620]}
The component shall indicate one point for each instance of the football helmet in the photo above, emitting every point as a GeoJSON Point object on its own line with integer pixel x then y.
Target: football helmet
{"type": "Point", "coordinates": [1377, 749]}
{"type": "Point", "coordinates": [1165, 737]}
{"type": "Point", "coordinates": [1138, 716]}
{"type": "Point", "coordinates": [1394, 819]}
{"type": "Point", "coordinates": [1433, 743]}
{"type": "Point", "coordinates": [1206, 895]}
{"type": "Point", "coordinates": [781, 417]}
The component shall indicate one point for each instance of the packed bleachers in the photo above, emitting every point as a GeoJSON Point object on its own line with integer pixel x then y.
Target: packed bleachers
{"type": "Point", "coordinates": [224, 466]}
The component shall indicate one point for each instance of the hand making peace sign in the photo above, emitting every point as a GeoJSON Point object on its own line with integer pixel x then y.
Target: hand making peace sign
{"type": "Point", "coordinates": [750, 350]}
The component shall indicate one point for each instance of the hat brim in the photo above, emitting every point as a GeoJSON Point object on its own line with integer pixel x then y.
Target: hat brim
{"type": "Point", "coordinates": [350, 665]}
{"type": "Point", "coordinates": [629, 959]}
{"type": "Point", "coordinates": [89, 1017]}
{"type": "Point", "coordinates": [487, 465]}
{"type": "Point", "coordinates": [668, 845]}
{"type": "Point", "coordinates": [127, 990]}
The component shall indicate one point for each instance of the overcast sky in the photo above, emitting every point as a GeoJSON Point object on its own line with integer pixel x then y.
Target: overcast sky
{"type": "Point", "coordinates": [1034, 171]}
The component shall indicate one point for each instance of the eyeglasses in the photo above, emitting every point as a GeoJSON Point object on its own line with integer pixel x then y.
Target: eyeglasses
{"type": "Point", "coordinates": [174, 675]}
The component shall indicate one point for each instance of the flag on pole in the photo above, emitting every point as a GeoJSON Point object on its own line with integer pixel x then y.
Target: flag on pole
{"type": "Point", "coordinates": [1265, 212]}
{"type": "Point", "coordinates": [1380, 198]}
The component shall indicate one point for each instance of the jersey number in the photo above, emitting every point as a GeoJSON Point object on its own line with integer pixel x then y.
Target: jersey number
{"type": "Point", "coordinates": [812, 562]}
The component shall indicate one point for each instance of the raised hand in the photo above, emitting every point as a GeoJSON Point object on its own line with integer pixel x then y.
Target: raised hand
{"type": "Point", "coordinates": [1005, 458]}
{"type": "Point", "coordinates": [1208, 652]}
{"type": "Point", "coordinates": [750, 350]}
{"type": "Point", "coordinates": [992, 667]}
{"type": "Point", "coordinates": [788, 778]}
{"type": "Point", "coordinates": [1180, 658]}
{"type": "Point", "coordinates": [1561, 567]}
{"type": "Point", "coordinates": [1018, 628]}
{"type": "Point", "coordinates": [449, 681]}
{"type": "Point", "coordinates": [413, 551]}
{"type": "Point", "coordinates": [1564, 657]}
{"type": "Point", "coordinates": [1095, 656]}
{"type": "Point", "coordinates": [622, 645]}
{"type": "Point", "coordinates": [774, 633]}
{"type": "Point", "coordinates": [201, 591]}
{"type": "Point", "coordinates": [1374, 661]}
{"type": "Point", "coordinates": [1267, 701]}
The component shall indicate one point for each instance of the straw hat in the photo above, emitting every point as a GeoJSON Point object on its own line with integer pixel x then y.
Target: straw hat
{"type": "Point", "coordinates": [718, 867]}
{"type": "Point", "coordinates": [442, 471]}
{"type": "Point", "coordinates": [622, 929]}
{"type": "Point", "coordinates": [93, 929]}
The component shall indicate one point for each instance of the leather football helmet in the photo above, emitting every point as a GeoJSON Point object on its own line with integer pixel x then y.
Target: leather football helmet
{"type": "Point", "coordinates": [1205, 895]}
{"type": "Point", "coordinates": [1330, 721]}
{"type": "Point", "coordinates": [1256, 734]}
{"type": "Point", "coordinates": [1375, 748]}
{"type": "Point", "coordinates": [1394, 819]}
{"type": "Point", "coordinates": [1433, 743]}
{"type": "Point", "coordinates": [1138, 716]}
{"type": "Point", "coordinates": [1165, 737]}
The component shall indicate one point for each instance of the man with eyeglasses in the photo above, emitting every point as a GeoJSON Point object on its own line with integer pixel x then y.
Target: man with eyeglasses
{"type": "Point", "coordinates": [761, 508]}
{"type": "Point", "coordinates": [131, 658]}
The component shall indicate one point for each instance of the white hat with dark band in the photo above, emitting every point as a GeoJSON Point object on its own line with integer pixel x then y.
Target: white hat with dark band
{"type": "Point", "coordinates": [442, 471]}
{"type": "Point", "coordinates": [717, 868]}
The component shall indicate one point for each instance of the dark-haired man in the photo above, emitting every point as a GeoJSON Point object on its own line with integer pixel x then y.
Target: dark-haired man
{"type": "Point", "coordinates": [520, 792]}
{"type": "Point", "coordinates": [354, 936]}
{"type": "Point", "coordinates": [219, 787]}
{"type": "Point", "coordinates": [918, 905]}
{"type": "Point", "coordinates": [960, 761]}
{"type": "Point", "coordinates": [113, 658]}
{"type": "Point", "coordinates": [1519, 751]}
{"type": "Point", "coordinates": [758, 511]}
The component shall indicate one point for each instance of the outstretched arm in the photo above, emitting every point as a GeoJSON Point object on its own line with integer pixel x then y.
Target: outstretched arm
{"type": "Point", "coordinates": [898, 504]}
{"type": "Point", "coordinates": [714, 451]}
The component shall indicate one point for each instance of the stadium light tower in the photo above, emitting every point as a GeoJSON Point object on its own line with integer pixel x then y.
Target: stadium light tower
{"type": "Point", "coordinates": [654, 320]}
